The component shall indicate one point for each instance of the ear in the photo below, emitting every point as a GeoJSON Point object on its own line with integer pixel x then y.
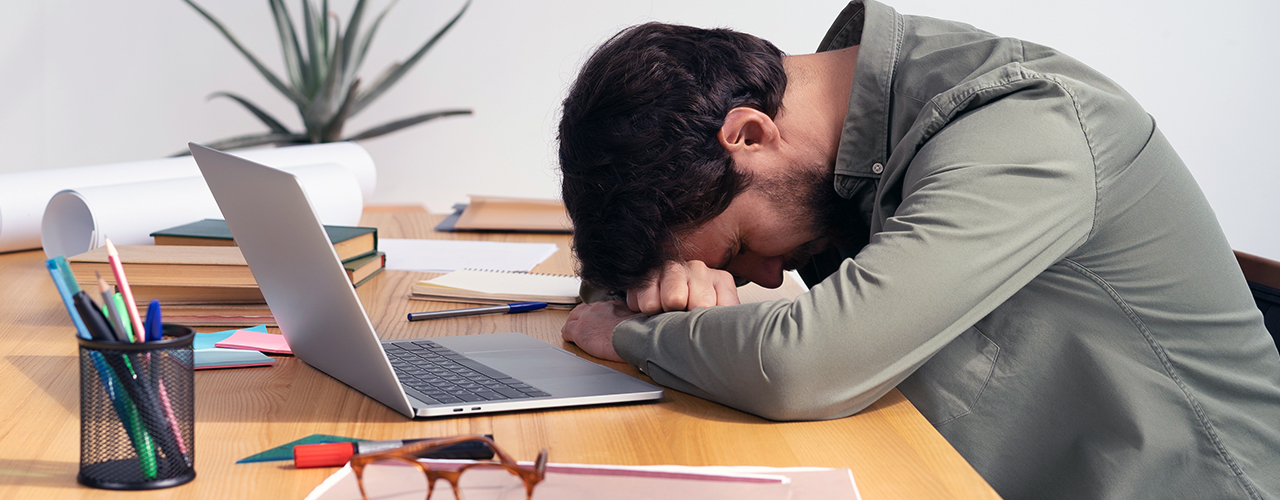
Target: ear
{"type": "Point", "coordinates": [747, 130]}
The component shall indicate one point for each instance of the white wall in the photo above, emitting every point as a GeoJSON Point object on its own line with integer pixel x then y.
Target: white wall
{"type": "Point", "coordinates": [89, 82]}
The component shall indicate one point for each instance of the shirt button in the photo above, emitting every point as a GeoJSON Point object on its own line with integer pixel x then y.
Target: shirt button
{"type": "Point", "coordinates": [877, 168]}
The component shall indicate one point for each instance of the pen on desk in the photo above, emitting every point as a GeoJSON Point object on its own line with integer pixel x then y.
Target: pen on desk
{"type": "Point", "coordinates": [113, 258]}
{"type": "Point", "coordinates": [306, 456]}
{"type": "Point", "coordinates": [516, 307]}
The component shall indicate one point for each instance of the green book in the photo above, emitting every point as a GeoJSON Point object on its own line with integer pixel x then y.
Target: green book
{"type": "Point", "coordinates": [362, 269]}
{"type": "Point", "coordinates": [351, 242]}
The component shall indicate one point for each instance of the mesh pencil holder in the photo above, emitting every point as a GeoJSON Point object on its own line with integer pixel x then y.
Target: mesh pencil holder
{"type": "Point", "coordinates": [137, 412]}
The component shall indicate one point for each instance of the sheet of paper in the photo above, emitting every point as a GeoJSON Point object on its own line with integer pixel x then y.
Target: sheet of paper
{"type": "Point", "coordinates": [442, 256]}
{"type": "Point", "coordinates": [578, 481]}
{"type": "Point", "coordinates": [25, 195]}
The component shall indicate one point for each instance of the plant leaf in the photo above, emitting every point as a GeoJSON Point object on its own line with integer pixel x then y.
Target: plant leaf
{"type": "Point", "coordinates": [271, 77]}
{"type": "Point", "coordinates": [288, 41]}
{"type": "Point", "coordinates": [385, 74]}
{"type": "Point", "coordinates": [406, 122]}
{"type": "Point", "coordinates": [394, 76]}
{"type": "Point", "coordinates": [368, 37]}
{"type": "Point", "coordinates": [322, 108]}
{"type": "Point", "coordinates": [333, 130]}
{"type": "Point", "coordinates": [349, 40]}
{"type": "Point", "coordinates": [269, 120]}
{"type": "Point", "coordinates": [311, 29]}
{"type": "Point", "coordinates": [323, 14]}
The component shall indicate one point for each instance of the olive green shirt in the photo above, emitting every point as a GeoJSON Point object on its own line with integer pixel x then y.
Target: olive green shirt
{"type": "Point", "coordinates": [1043, 280]}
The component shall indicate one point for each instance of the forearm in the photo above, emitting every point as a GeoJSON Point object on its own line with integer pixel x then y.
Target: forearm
{"type": "Point", "coordinates": [754, 369]}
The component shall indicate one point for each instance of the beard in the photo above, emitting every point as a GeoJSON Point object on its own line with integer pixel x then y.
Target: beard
{"type": "Point", "coordinates": [806, 196]}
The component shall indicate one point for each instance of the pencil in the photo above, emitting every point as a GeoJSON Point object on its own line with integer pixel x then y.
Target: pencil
{"type": "Point", "coordinates": [113, 258]}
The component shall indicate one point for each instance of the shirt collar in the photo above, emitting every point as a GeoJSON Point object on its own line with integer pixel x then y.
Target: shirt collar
{"type": "Point", "coordinates": [864, 143]}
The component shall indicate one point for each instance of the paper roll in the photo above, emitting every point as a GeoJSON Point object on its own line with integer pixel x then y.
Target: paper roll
{"type": "Point", "coordinates": [79, 220]}
{"type": "Point", "coordinates": [24, 195]}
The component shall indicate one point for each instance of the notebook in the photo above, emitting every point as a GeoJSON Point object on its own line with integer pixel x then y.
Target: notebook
{"type": "Point", "coordinates": [495, 213]}
{"type": "Point", "coordinates": [499, 287]}
{"type": "Point", "coordinates": [325, 325]}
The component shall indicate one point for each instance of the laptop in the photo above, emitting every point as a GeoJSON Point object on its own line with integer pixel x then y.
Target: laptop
{"type": "Point", "coordinates": [325, 325]}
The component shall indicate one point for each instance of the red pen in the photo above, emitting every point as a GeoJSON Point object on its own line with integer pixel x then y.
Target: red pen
{"type": "Point", "coordinates": [336, 454]}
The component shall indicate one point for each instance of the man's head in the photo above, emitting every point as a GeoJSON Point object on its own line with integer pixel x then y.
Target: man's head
{"type": "Point", "coordinates": [639, 153]}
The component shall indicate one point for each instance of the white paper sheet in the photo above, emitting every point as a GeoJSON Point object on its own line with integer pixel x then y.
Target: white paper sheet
{"type": "Point", "coordinates": [24, 195]}
{"type": "Point", "coordinates": [664, 482]}
{"type": "Point", "coordinates": [442, 256]}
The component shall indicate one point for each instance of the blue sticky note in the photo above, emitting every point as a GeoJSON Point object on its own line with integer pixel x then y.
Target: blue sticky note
{"type": "Point", "coordinates": [207, 340]}
{"type": "Point", "coordinates": [229, 358]}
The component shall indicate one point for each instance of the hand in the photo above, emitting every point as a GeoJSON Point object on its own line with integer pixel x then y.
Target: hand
{"type": "Point", "coordinates": [591, 327]}
{"type": "Point", "coordinates": [684, 286]}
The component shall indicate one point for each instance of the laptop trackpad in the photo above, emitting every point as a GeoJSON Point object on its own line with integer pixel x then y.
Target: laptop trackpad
{"type": "Point", "coordinates": [533, 364]}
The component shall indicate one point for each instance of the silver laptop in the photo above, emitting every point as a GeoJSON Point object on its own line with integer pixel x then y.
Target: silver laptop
{"type": "Point", "coordinates": [316, 308]}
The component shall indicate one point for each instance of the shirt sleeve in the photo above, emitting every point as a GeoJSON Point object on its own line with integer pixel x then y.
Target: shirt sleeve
{"type": "Point", "coordinates": [990, 201]}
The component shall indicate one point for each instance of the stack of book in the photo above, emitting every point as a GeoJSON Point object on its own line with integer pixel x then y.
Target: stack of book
{"type": "Point", "coordinates": [201, 278]}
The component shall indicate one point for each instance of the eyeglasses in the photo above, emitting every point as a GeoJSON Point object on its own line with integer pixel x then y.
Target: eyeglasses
{"type": "Point", "coordinates": [398, 474]}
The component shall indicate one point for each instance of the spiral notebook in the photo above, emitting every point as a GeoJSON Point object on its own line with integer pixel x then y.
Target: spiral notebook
{"type": "Point", "coordinates": [499, 287]}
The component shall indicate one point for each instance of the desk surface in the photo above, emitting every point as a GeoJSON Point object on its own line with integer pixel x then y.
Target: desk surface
{"type": "Point", "coordinates": [892, 450]}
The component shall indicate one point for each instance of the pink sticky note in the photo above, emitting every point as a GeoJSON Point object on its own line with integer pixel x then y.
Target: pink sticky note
{"type": "Point", "coordinates": [256, 341]}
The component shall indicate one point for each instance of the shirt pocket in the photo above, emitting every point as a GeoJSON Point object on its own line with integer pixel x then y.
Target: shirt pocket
{"type": "Point", "coordinates": [949, 385]}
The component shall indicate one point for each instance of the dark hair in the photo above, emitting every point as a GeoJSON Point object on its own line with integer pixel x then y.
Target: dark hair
{"type": "Point", "coordinates": [638, 149]}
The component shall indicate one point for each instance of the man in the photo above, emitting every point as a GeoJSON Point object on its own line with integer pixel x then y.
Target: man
{"type": "Point", "coordinates": [990, 226]}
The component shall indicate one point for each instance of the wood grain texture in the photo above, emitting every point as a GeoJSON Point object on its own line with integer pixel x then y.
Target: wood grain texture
{"type": "Point", "coordinates": [892, 450]}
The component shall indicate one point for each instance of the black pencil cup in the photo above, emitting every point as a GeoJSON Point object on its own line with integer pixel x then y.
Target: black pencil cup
{"type": "Point", "coordinates": [137, 412]}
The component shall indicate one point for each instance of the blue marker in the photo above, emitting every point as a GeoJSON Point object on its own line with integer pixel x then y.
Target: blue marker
{"type": "Point", "coordinates": [151, 325]}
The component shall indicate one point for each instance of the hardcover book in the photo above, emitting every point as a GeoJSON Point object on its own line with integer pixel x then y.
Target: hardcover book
{"type": "Point", "coordinates": [349, 241]}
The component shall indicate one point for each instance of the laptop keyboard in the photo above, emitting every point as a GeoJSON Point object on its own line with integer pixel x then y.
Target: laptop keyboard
{"type": "Point", "coordinates": [439, 375]}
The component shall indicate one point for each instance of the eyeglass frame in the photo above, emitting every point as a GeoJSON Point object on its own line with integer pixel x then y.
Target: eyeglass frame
{"type": "Point", "coordinates": [412, 452]}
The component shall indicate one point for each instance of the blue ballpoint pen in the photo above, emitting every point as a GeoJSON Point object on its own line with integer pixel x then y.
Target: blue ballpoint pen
{"type": "Point", "coordinates": [516, 307]}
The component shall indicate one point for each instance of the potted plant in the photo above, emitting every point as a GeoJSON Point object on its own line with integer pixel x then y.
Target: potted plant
{"type": "Point", "coordinates": [321, 80]}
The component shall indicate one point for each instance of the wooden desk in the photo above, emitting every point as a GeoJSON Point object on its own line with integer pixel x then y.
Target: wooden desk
{"type": "Point", "coordinates": [892, 450]}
